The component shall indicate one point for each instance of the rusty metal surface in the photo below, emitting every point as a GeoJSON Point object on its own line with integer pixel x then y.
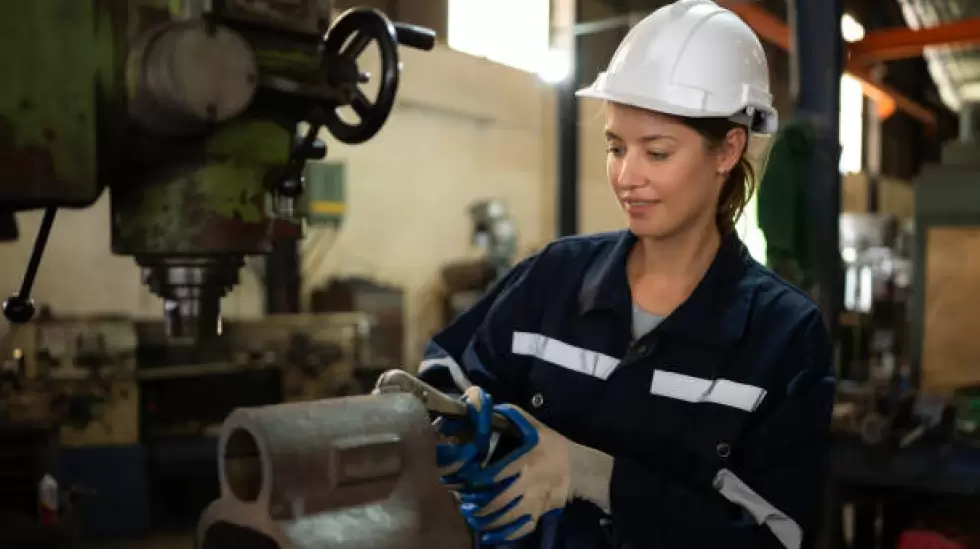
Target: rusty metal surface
{"type": "Point", "coordinates": [303, 16]}
{"type": "Point", "coordinates": [350, 473]}
{"type": "Point", "coordinates": [213, 208]}
{"type": "Point", "coordinates": [61, 80]}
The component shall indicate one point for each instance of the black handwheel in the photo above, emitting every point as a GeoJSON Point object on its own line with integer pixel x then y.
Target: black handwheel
{"type": "Point", "coordinates": [346, 40]}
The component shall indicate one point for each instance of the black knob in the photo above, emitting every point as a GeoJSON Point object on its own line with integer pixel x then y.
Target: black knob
{"type": "Point", "coordinates": [18, 310]}
{"type": "Point", "coordinates": [313, 150]}
{"type": "Point", "coordinates": [291, 187]}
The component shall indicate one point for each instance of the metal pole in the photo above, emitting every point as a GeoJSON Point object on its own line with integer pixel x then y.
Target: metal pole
{"type": "Point", "coordinates": [872, 153]}
{"type": "Point", "coordinates": [282, 277]}
{"type": "Point", "coordinates": [566, 123]}
{"type": "Point", "coordinates": [568, 155]}
{"type": "Point", "coordinates": [817, 67]}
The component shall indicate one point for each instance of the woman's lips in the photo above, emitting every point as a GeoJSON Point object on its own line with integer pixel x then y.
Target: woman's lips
{"type": "Point", "coordinates": [639, 207]}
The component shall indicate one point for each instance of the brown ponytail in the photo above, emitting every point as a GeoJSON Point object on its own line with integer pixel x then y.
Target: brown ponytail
{"type": "Point", "coordinates": [741, 182]}
{"type": "Point", "coordinates": [735, 195]}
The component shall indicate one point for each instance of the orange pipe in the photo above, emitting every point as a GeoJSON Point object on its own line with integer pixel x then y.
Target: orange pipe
{"type": "Point", "coordinates": [902, 43]}
{"type": "Point", "coordinates": [886, 98]}
{"type": "Point", "coordinates": [769, 27]}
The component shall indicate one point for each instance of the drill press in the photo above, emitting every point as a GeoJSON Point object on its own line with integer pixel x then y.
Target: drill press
{"type": "Point", "coordinates": [187, 110]}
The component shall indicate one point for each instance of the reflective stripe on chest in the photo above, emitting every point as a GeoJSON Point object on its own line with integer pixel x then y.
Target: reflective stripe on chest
{"type": "Point", "coordinates": [562, 354]}
{"type": "Point", "coordinates": [716, 391]}
{"type": "Point", "coordinates": [666, 384]}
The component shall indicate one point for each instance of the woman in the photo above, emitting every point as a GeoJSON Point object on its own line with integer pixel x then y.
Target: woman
{"type": "Point", "coordinates": [671, 392]}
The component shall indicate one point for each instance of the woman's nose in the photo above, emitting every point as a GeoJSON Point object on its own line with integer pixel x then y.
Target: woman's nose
{"type": "Point", "coordinates": [629, 176]}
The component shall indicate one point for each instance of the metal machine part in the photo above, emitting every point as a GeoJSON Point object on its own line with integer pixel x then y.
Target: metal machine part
{"type": "Point", "coordinates": [877, 285]}
{"type": "Point", "coordinates": [883, 416]}
{"type": "Point", "coordinates": [307, 16]}
{"type": "Point", "coordinates": [196, 109]}
{"type": "Point", "coordinates": [875, 252]}
{"type": "Point", "coordinates": [495, 235]}
{"type": "Point", "coordinates": [353, 473]}
{"type": "Point", "coordinates": [116, 381]}
{"type": "Point", "coordinates": [188, 74]}
{"type": "Point", "coordinates": [495, 231]}
{"type": "Point", "coordinates": [191, 289]}
{"type": "Point", "coordinates": [79, 375]}
{"type": "Point", "coordinates": [256, 362]}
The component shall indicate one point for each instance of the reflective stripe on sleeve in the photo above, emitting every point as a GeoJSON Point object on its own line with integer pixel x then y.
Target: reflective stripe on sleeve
{"type": "Point", "coordinates": [786, 530]}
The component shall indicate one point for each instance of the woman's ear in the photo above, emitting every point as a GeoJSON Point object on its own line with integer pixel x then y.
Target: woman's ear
{"type": "Point", "coordinates": [731, 149]}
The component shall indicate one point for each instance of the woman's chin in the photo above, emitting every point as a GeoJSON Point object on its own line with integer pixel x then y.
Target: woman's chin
{"type": "Point", "coordinates": [646, 228]}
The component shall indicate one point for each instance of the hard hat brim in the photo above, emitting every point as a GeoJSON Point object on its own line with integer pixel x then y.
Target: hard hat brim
{"type": "Point", "coordinates": [768, 122]}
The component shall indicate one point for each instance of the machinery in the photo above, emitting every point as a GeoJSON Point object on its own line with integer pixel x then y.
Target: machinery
{"type": "Point", "coordinates": [884, 417]}
{"type": "Point", "coordinates": [190, 389]}
{"type": "Point", "coordinates": [495, 232]}
{"type": "Point", "coordinates": [186, 392]}
{"type": "Point", "coordinates": [199, 117]}
{"type": "Point", "coordinates": [365, 479]}
{"type": "Point", "coordinates": [189, 112]}
{"type": "Point", "coordinates": [877, 284]}
{"type": "Point", "coordinates": [357, 473]}
{"type": "Point", "coordinates": [495, 235]}
{"type": "Point", "coordinates": [112, 385]}
{"type": "Point", "coordinates": [76, 374]}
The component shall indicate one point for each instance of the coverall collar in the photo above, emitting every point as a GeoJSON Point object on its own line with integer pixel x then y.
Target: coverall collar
{"type": "Point", "coordinates": [715, 313]}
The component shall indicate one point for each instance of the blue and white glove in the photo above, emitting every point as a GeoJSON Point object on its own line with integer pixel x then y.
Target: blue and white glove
{"type": "Point", "coordinates": [458, 460]}
{"type": "Point", "coordinates": [506, 500]}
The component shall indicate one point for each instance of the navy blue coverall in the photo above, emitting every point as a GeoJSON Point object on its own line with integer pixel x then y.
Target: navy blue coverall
{"type": "Point", "coordinates": [717, 419]}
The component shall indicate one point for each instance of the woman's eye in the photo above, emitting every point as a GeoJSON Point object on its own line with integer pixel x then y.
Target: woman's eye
{"type": "Point", "coordinates": [660, 156]}
{"type": "Point", "coordinates": [613, 150]}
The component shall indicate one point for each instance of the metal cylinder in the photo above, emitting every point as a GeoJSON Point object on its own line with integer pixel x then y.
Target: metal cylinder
{"type": "Point", "coordinates": [191, 289]}
{"type": "Point", "coordinates": [349, 473]}
{"type": "Point", "coordinates": [184, 75]}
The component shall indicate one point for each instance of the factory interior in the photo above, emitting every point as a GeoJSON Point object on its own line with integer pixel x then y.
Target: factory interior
{"type": "Point", "coordinates": [246, 214]}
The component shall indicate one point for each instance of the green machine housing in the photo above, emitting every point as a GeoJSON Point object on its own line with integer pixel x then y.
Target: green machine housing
{"type": "Point", "coordinates": [187, 110]}
{"type": "Point", "coordinates": [62, 100]}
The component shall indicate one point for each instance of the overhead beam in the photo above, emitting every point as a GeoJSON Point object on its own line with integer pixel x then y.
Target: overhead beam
{"type": "Point", "coordinates": [903, 43]}
{"type": "Point", "coordinates": [771, 29]}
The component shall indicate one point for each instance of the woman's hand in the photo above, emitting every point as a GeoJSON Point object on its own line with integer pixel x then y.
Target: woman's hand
{"type": "Point", "coordinates": [464, 443]}
{"type": "Point", "coordinates": [505, 500]}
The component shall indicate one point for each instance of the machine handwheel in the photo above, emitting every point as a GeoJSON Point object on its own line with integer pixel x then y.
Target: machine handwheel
{"type": "Point", "coordinates": [346, 40]}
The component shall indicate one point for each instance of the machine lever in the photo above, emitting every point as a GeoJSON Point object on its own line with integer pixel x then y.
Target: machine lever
{"type": "Point", "coordinates": [414, 36]}
{"type": "Point", "coordinates": [19, 308]}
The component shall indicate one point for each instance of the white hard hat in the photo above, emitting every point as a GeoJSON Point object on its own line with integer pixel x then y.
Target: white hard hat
{"type": "Point", "coordinates": [691, 58]}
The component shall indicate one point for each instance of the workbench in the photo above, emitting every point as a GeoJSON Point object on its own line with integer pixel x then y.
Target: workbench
{"type": "Point", "coordinates": [893, 483]}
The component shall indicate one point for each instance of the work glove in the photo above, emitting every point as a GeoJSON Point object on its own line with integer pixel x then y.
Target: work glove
{"type": "Point", "coordinates": [458, 459]}
{"type": "Point", "coordinates": [507, 499]}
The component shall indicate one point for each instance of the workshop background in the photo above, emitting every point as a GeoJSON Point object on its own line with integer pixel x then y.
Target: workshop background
{"type": "Point", "coordinates": [108, 423]}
